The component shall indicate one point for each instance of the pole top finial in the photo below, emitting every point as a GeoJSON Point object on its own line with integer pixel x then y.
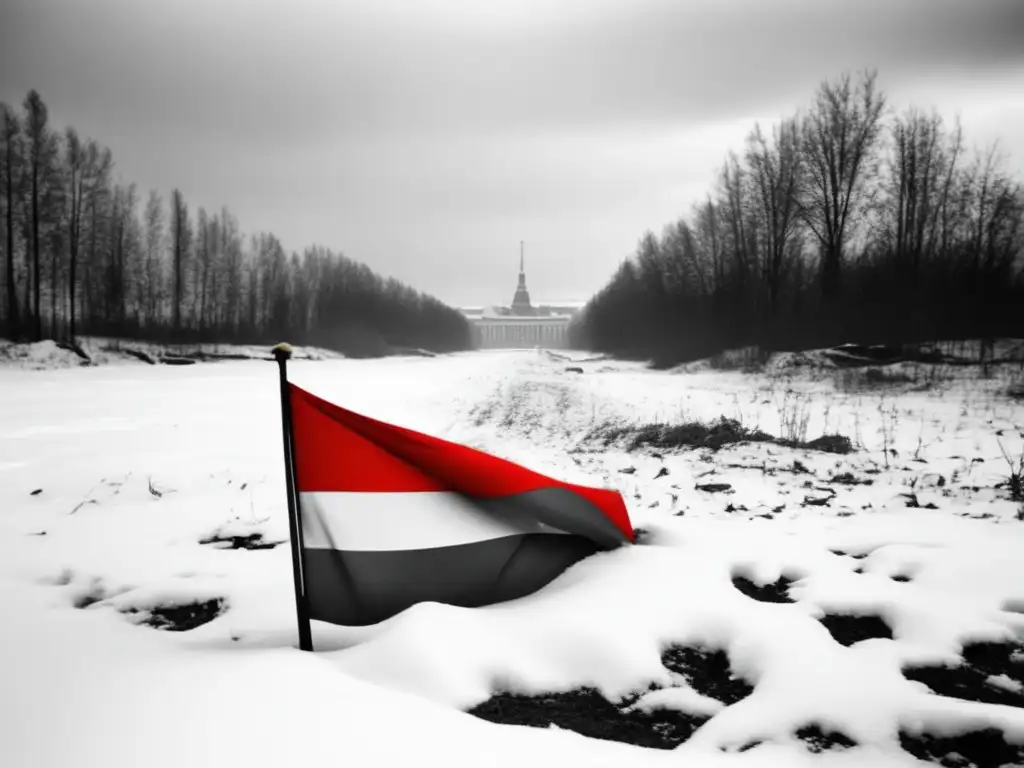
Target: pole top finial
{"type": "Point", "coordinates": [282, 351]}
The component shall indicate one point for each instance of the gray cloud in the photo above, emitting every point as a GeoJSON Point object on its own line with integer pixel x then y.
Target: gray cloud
{"type": "Point", "coordinates": [428, 136]}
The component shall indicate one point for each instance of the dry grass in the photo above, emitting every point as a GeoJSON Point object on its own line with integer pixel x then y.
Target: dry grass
{"type": "Point", "coordinates": [716, 435]}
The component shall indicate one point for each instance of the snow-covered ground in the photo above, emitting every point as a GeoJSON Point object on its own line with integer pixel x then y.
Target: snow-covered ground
{"type": "Point", "coordinates": [111, 476]}
{"type": "Point", "coordinates": [97, 350]}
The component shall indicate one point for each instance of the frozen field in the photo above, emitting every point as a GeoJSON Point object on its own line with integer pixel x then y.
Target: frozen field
{"type": "Point", "coordinates": [837, 594]}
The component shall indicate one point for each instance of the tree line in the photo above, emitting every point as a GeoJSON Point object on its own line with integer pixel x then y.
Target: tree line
{"type": "Point", "coordinates": [83, 253]}
{"type": "Point", "coordinates": [848, 222]}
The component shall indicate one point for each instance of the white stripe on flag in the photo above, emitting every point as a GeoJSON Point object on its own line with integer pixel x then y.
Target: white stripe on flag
{"type": "Point", "coordinates": [399, 521]}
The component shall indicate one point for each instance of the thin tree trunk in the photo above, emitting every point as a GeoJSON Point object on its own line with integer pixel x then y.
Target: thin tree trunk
{"type": "Point", "coordinates": [12, 294]}
{"type": "Point", "coordinates": [35, 251]}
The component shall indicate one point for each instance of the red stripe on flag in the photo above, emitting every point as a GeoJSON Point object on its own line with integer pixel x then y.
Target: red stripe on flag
{"type": "Point", "coordinates": [339, 450]}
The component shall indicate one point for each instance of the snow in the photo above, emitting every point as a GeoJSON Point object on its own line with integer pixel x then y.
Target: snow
{"type": "Point", "coordinates": [136, 464]}
{"type": "Point", "coordinates": [1005, 682]}
{"type": "Point", "coordinates": [48, 355]}
{"type": "Point", "coordinates": [682, 698]}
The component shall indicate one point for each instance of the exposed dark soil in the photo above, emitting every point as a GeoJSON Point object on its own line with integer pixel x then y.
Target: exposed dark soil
{"type": "Point", "coordinates": [707, 672]}
{"type": "Point", "coordinates": [181, 618]}
{"type": "Point", "coordinates": [250, 541]}
{"type": "Point", "coordinates": [848, 478]}
{"type": "Point", "coordinates": [776, 592]}
{"type": "Point", "coordinates": [968, 680]}
{"type": "Point", "coordinates": [587, 712]}
{"type": "Point", "coordinates": [713, 487]}
{"type": "Point", "coordinates": [982, 749]}
{"type": "Point", "coordinates": [841, 553]}
{"type": "Point", "coordinates": [848, 629]}
{"type": "Point", "coordinates": [819, 740]}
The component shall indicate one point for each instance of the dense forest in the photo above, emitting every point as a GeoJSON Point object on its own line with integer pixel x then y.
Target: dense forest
{"type": "Point", "coordinates": [848, 222]}
{"type": "Point", "coordinates": [84, 253]}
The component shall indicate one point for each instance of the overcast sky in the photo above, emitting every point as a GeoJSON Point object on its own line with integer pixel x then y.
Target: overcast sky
{"type": "Point", "coordinates": [428, 137]}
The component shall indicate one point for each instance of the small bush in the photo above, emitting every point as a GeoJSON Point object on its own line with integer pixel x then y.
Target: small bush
{"type": "Point", "coordinates": [881, 376]}
{"type": "Point", "coordinates": [831, 444]}
{"type": "Point", "coordinates": [1015, 481]}
{"type": "Point", "coordinates": [873, 378]}
{"type": "Point", "coordinates": [687, 435]}
{"type": "Point", "coordinates": [693, 434]}
{"type": "Point", "coordinates": [748, 360]}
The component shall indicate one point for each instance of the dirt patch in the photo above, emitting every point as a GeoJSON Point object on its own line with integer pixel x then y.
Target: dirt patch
{"type": "Point", "coordinates": [181, 617]}
{"type": "Point", "coordinates": [587, 712]}
{"type": "Point", "coordinates": [819, 740]}
{"type": "Point", "coordinates": [992, 673]}
{"type": "Point", "coordinates": [776, 592]}
{"type": "Point", "coordinates": [707, 672]}
{"type": "Point", "coordinates": [714, 487]}
{"type": "Point", "coordinates": [250, 541]}
{"type": "Point", "coordinates": [848, 478]}
{"type": "Point", "coordinates": [847, 629]}
{"type": "Point", "coordinates": [855, 556]}
{"type": "Point", "coordinates": [982, 749]}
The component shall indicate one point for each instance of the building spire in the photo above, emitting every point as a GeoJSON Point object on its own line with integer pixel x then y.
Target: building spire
{"type": "Point", "coordinates": [521, 300]}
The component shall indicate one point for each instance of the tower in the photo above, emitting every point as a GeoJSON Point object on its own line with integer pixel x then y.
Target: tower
{"type": "Point", "coordinates": [521, 300]}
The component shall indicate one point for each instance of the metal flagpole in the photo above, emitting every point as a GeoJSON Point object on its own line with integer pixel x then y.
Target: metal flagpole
{"type": "Point", "coordinates": [281, 353]}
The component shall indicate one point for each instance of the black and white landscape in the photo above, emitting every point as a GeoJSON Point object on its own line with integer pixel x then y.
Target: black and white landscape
{"type": "Point", "coordinates": [796, 231]}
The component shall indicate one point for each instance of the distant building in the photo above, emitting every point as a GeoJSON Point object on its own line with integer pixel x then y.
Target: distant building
{"type": "Point", "coordinates": [522, 324]}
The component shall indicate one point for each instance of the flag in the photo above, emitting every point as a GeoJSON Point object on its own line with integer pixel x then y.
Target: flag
{"type": "Point", "coordinates": [390, 517]}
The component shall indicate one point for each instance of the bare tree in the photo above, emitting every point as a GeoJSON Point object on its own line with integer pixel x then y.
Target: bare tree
{"type": "Point", "coordinates": [181, 235]}
{"type": "Point", "coordinates": [775, 175]}
{"type": "Point", "coordinates": [99, 164]}
{"type": "Point", "coordinates": [231, 247]}
{"type": "Point", "coordinates": [153, 260]}
{"type": "Point", "coordinates": [76, 170]}
{"type": "Point", "coordinates": [840, 136]}
{"type": "Point", "coordinates": [200, 262]}
{"type": "Point", "coordinates": [734, 207]}
{"type": "Point", "coordinates": [42, 149]}
{"type": "Point", "coordinates": [11, 162]}
{"type": "Point", "coordinates": [123, 248]}
{"type": "Point", "coordinates": [916, 177]}
{"type": "Point", "coordinates": [105, 267]}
